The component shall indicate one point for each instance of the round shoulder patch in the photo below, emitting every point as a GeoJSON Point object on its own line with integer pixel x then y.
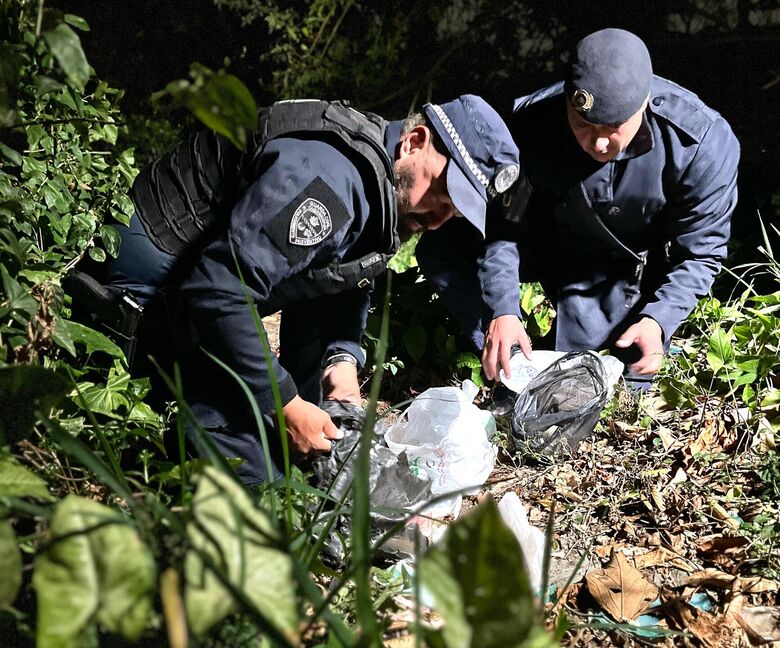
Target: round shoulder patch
{"type": "Point", "coordinates": [310, 224]}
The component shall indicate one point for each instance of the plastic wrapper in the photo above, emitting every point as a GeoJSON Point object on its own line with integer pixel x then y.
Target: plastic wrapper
{"type": "Point", "coordinates": [532, 540]}
{"type": "Point", "coordinates": [560, 406]}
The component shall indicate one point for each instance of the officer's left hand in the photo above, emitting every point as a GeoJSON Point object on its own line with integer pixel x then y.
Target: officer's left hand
{"type": "Point", "coordinates": [648, 336]}
{"type": "Point", "coordinates": [340, 382]}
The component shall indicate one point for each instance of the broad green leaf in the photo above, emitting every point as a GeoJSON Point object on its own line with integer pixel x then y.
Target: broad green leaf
{"type": "Point", "coordinates": [18, 481]}
{"type": "Point", "coordinates": [226, 106]}
{"type": "Point", "coordinates": [61, 335]}
{"type": "Point", "coordinates": [25, 391]}
{"type": "Point", "coordinates": [64, 43]}
{"type": "Point", "coordinates": [92, 340]}
{"type": "Point", "coordinates": [96, 569]}
{"type": "Point", "coordinates": [110, 239]}
{"type": "Point", "coordinates": [98, 254]}
{"type": "Point", "coordinates": [415, 341]}
{"type": "Point", "coordinates": [719, 350]}
{"type": "Point", "coordinates": [13, 156]}
{"type": "Point", "coordinates": [404, 258]}
{"type": "Point", "coordinates": [477, 580]}
{"type": "Point", "coordinates": [19, 298]}
{"type": "Point", "coordinates": [10, 565]}
{"type": "Point", "coordinates": [239, 539]}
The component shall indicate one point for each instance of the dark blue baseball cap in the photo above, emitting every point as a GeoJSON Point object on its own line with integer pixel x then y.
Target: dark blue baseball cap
{"type": "Point", "coordinates": [484, 160]}
{"type": "Point", "coordinates": [609, 76]}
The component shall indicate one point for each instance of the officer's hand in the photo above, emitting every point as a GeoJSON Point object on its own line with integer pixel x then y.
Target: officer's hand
{"type": "Point", "coordinates": [340, 382]}
{"type": "Point", "coordinates": [503, 333]}
{"type": "Point", "coordinates": [310, 428]}
{"type": "Point", "coordinates": [648, 336]}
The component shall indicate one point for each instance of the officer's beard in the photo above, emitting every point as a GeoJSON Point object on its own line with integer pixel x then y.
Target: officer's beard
{"type": "Point", "coordinates": [408, 222]}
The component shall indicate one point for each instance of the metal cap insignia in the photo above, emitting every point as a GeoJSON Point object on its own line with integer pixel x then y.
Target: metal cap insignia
{"type": "Point", "coordinates": [505, 177]}
{"type": "Point", "coordinates": [582, 100]}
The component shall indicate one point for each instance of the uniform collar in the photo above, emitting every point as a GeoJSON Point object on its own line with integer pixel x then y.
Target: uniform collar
{"type": "Point", "coordinates": [392, 137]}
{"type": "Point", "coordinates": [642, 142]}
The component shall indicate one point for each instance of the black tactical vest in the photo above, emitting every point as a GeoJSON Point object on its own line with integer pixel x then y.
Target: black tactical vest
{"type": "Point", "coordinates": [188, 194]}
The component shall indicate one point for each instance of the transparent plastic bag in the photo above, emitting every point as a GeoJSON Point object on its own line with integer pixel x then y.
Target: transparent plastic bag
{"type": "Point", "coordinates": [445, 438]}
{"type": "Point", "coordinates": [560, 406]}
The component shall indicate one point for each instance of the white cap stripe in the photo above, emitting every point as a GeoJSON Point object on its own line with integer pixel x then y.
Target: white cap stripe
{"type": "Point", "coordinates": [475, 170]}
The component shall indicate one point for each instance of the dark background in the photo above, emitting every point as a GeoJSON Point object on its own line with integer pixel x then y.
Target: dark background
{"type": "Point", "coordinates": [507, 50]}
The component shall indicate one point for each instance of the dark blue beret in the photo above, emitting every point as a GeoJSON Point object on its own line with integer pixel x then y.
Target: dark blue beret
{"type": "Point", "coordinates": [609, 76]}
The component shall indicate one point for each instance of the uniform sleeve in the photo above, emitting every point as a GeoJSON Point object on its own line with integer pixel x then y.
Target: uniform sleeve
{"type": "Point", "coordinates": [698, 227]}
{"type": "Point", "coordinates": [296, 213]}
{"type": "Point", "coordinates": [344, 318]}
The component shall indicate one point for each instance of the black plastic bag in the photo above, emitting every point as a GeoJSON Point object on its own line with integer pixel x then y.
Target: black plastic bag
{"type": "Point", "coordinates": [561, 405]}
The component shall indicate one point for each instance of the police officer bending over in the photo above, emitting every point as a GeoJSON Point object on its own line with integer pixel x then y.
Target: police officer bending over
{"type": "Point", "coordinates": [624, 213]}
{"type": "Point", "coordinates": [313, 211]}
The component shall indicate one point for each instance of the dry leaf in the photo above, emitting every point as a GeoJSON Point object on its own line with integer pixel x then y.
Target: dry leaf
{"type": "Point", "coordinates": [720, 544]}
{"type": "Point", "coordinates": [666, 436]}
{"type": "Point", "coordinates": [620, 589]}
{"type": "Point", "coordinates": [712, 578]}
{"type": "Point", "coordinates": [761, 623]}
{"type": "Point", "coordinates": [722, 514]}
{"type": "Point", "coordinates": [717, 632]}
{"type": "Point", "coordinates": [660, 556]}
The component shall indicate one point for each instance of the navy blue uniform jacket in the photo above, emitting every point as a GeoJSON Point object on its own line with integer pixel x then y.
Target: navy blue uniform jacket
{"type": "Point", "coordinates": [641, 235]}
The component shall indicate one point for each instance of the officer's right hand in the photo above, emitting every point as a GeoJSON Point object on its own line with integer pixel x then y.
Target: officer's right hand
{"type": "Point", "coordinates": [310, 428]}
{"type": "Point", "coordinates": [503, 333]}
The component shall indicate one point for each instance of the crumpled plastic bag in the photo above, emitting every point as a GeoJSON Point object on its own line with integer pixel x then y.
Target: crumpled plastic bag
{"type": "Point", "coordinates": [560, 406]}
{"type": "Point", "coordinates": [532, 540]}
{"type": "Point", "coordinates": [445, 438]}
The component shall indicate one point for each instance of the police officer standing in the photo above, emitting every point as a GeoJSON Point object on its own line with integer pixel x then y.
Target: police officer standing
{"type": "Point", "coordinates": [624, 213]}
{"type": "Point", "coordinates": [307, 217]}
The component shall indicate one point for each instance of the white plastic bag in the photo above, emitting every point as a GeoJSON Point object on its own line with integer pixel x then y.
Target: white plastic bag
{"type": "Point", "coordinates": [531, 539]}
{"type": "Point", "coordinates": [445, 439]}
{"type": "Point", "coordinates": [524, 370]}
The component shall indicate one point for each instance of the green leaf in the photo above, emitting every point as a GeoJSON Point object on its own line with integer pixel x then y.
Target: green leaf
{"type": "Point", "coordinates": [477, 580]}
{"type": "Point", "coordinates": [25, 391]}
{"type": "Point", "coordinates": [239, 540]}
{"type": "Point", "coordinates": [96, 569]}
{"type": "Point", "coordinates": [415, 341]}
{"type": "Point", "coordinates": [61, 335]}
{"type": "Point", "coordinates": [10, 565]}
{"type": "Point", "coordinates": [110, 239]}
{"type": "Point", "coordinates": [226, 106]}
{"type": "Point", "coordinates": [64, 43]}
{"type": "Point", "coordinates": [92, 340]}
{"type": "Point", "coordinates": [77, 21]}
{"type": "Point", "coordinates": [19, 298]}
{"type": "Point", "coordinates": [18, 481]}
{"type": "Point", "coordinates": [404, 258]}
{"type": "Point", "coordinates": [98, 254]}
{"type": "Point", "coordinates": [13, 156]}
{"type": "Point", "coordinates": [719, 350]}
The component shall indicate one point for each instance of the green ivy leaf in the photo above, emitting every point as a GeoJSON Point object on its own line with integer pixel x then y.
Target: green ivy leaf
{"type": "Point", "coordinates": [18, 481]}
{"type": "Point", "coordinates": [19, 298]}
{"type": "Point", "coordinates": [10, 565]}
{"type": "Point", "coordinates": [26, 391]}
{"type": "Point", "coordinates": [719, 350]}
{"type": "Point", "coordinates": [96, 569]}
{"type": "Point", "coordinates": [111, 239]}
{"type": "Point", "coordinates": [61, 335]}
{"type": "Point", "coordinates": [241, 541]}
{"type": "Point", "coordinates": [93, 340]}
{"type": "Point", "coordinates": [64, 43]}
{"type": "Point", "coordinates": [404, 258]}
{"type": "Point", "coordinates": [98, 254]}
{"type": "Point", "coordinates": [477, 580]}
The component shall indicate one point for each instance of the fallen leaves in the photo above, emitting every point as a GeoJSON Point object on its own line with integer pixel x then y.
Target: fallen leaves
{"type": "Point", "coordinates": [621, 589]}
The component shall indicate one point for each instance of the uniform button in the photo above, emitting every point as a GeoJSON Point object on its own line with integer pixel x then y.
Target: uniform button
{"type": "Point", "coordinates": [614, 210]}
{"type": "Point", "coordinates": [658, 101]}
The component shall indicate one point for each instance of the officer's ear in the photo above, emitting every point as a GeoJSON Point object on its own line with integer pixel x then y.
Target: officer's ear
{"type": "Point", "coordinates": [416, 140]}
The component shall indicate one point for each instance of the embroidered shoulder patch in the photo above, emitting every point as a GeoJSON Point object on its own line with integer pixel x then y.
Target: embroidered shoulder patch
{"type": "Point", "coordinates": [309, 220]}
{"type": "Point", "coordinates": [310, 223]}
